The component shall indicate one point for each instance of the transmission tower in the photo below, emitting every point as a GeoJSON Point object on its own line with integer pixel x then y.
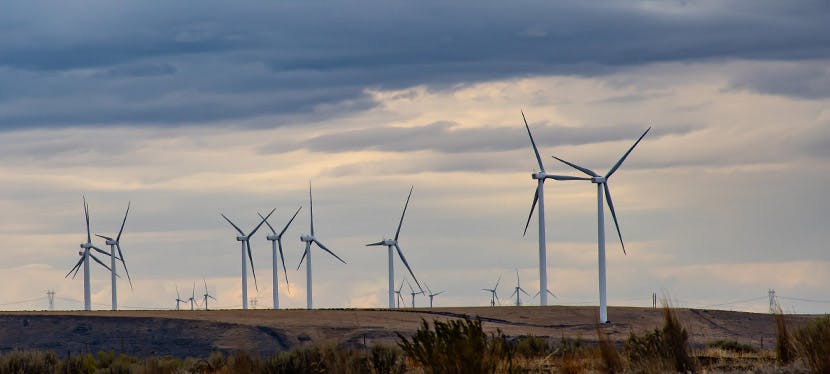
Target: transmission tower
{"type": "Point", "coordinates": [50, 294]}
{"type": "Point", "coordinates": [773, 305]}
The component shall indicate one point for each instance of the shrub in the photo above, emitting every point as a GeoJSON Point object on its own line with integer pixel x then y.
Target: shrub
{"type": "Point", "coordinates": [812, 343]}
{"type": "Point", "coordinates": [732, 346]}
{"type": "Point", "coordinates": [663, 349]}
{"type": "Point", "coordinates": [85, 364]}
{"type": "Point", "coordinates": [611, 362]}
{"type": "Point", "coordinates": [28, 362]}
{"type": "Point", "coordinates": [532, 347]}
{"type": "Point", "coordinates": [458, 346]}
{"type": "Point", "coordinates": [386, 360]}
{"type": "Point", "coordinates": [784, 349]}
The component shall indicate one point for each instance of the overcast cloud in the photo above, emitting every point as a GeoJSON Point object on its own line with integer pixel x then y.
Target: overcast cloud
{"type": "Point", "coordinates": [192, 109]}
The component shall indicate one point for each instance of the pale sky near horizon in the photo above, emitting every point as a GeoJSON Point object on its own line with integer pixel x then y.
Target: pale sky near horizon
{"type": "Point", "coordinates": [196, 108]}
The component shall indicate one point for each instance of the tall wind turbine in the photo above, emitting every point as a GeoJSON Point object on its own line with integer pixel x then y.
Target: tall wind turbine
{"type": "Point", "coordinates": [84, 260]}
{"type": "Point", "coordinates": [276, 240]}
{"type": "Point", "coordinates": [389, 243]}
{"type": "Point", "coordinates": [494, 295]}
{"type": "Point", "coordinates": [412, 293]}
{"type": "Point", "coordinates": [179, 298]}
{"type": "Point", "coordinates": [308, 239]}
{"type": "Point", "coordinates": [518, 289]}
{"type": "Point", "coordinates": [432, 294]}
{"type": "Point", "coordinates": [602, 187]}
{"type": "Point", "coordinates": [116, 244]}
{"type": "Point", "coordinates": [192, 298]}
{"type": "Point", "coordinates": [539, 197]}
{"type": "Point", "coordinates": [245, 241]}
{"type": "Point", "coordinates": [207, 295]}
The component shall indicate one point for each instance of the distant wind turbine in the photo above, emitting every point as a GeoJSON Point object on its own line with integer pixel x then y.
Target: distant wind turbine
{"type": "Point", "coordinates": [539, 197]}
{"type": "Point", "coordinates": [192, 298]}
{"type": "Point", "coordinates": [207, 294]}
{"type": "Point", "coordinates": [245, 241]}
{"type": "Point", "coordinates": [400, 297]}
{"type": "Point", "coordinates": [276, 241]}
{"type": "Point", "coordinates": [494, 295]}
{"type": "Point", "coordinates": [84, 260]}
{"type": "Point", "coordinates": [308, 240]}
{"type": "Point", "coordinates": [389, 243]}
{"type": "Point", "coordinates": [518, 289]}
{"type": "Point", "coordinates": [179, 298]}
{"type": "Point", "coordinates": [412, 293]}
{"type": "Point", "coordinates": [602, 186]}
{"type": "Point", "coordinates": [432, 294]}
{"type": "Point", "coordinates": [116, 244]}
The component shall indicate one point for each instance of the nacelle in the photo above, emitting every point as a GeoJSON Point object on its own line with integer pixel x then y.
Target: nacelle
{"type": "Point", "coordinates": [306, 238]}
{"type": "Point", "coordinates": [86, 245]}
{"type": "Point", "coordinates": [539, 175]}
{"type": "Point", "coordinates": [241, 238]}
{"type": "Point", "coordinates": [598, 180]}
{"type": "Point", "coordinates": [272, 237]}
{"type": "Point", "coordinates": [111, 242]}
{"type": "Point", "coordinates": [388, 242]}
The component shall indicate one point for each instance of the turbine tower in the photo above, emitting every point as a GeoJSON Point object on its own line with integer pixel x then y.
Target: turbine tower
{"type": "Point", "coordinates": [519, 289]}
{"type": "Point", "coordinates": [539, 197]}
{"type": "Point", "coordinates": [276, 240]}
{"type": "Point", "coordinates": [432, 294]}
{"type": "Point", "coordinates": [389, 243]}
{"type": "Point", "coordinates": [602, 187]}
{"type": "Point", "coordinates": [192, 298]}
{"type": "Point", "coordinates": [245, 242]}
{"type": "Point", "coordinates": [494, 296]}
{"type": "Point", "coordinates": [85, 256]}
{"type": "Point", "coordinates": [308, 240]}
{"type": "Point", "coordinates": [207, 294]}
{"type": "Point", "coordinates": [179, 298]}
{"type": "Point", "coordinates": [116, 244]}
{"type": "Point", "coordinates": [400, 297]}
{"type": "Point", "coordinates": [413, 293]}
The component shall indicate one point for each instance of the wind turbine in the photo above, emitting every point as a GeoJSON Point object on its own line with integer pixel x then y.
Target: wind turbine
{"type": "Point", "coordinates": [308, 239]}
{"type": "Point", "coordinates": [276, 239]}
{"type": "Point", "coordinates": [519, 289]}
{"type": "Point", "coordinates": [432, 294]}
{"type": "Point", "coordinates": [389, 243]}
{"type": "Point", "coordinates": [602, 186]}
{"type": "Point", "coordinates": [245, 242]}
{"type": "Point", "coordinates": [179, 298]}
{"type": "Point", "coordinates": [85, 256]}
{"type": "Point", "coordinates": [116, 244]}
{"type": "Point", "coordinates": [539, 197]}
{"type": "Point", "coordinates": [398, 292]}
{"type": "Point", "coordinates": [207, 295]}
{"type": "Point", "coordinates": [494, 296]}
{"type": "Point", "coordinates": [413, 293]}
{"type": "Point", "coordinates": [192, 298]}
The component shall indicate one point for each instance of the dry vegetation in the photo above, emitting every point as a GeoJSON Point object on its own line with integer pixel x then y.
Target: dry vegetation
{"type": "Point", "coordinates": [463, 345]}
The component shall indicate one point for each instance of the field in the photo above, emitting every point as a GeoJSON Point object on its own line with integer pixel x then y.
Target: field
{"type": "Point", "coordinates": [262, 332]}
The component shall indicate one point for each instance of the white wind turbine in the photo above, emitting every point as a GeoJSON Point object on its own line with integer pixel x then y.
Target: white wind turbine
{"type": "Point", "coordinates": [412, 293]}
{"type": "Point", "coordinates": [192, 298]}
{"type": "Point", "coordinates": [400, 297]}
{"type": "Point", "coordinates": [84, 260]}
{"type": "Point", "coordinates": [179, 298]}
{"type": "Point", "coordinates": [308, 239]}
{"type": "Point", "coordinates": [389, 243]}
{"type": "Point", "coordinates": [245, 241]}
{"type": "Point", "coordinates": [207, 294]}
{"type": "Point", "coordinates": [276, 240]}
{"type": "Point", "coordinates": [539, 197]}
{"type": "Point", "coordinates": [518, 289]}
{"type": "Point", "coordinates": [116, 244]}
{"type": "Point", "coordinates": [602, 187]}
{"type": "Point", "coordinates": [432, 294]}
{"type": "Point", "coordinates": [494, 295]}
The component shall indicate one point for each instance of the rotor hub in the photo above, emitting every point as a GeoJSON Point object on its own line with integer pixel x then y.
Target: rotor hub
{"type": "Point", "coordinates": [598, 180]}
{"type": "Point", "coordinates": [306, 238]}
{"type": "Point", "coordinates": [389, 242]}
{"type": "Point", "coordinates": [86, 245]}
{"type": "Point", "coordinates": [241, 238]}
{"type": "Point", "coordinates": [539, 175]}
{"type": "Point", "coordinates": [111, 242]}
{"type": "Point", "coordinates": [272, 237]}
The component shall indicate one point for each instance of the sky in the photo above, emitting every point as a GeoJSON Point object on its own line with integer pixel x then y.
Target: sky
{"type": "Point", "coordinates": [192, 109]}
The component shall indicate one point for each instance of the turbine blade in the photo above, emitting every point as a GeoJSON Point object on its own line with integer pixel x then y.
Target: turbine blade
{"type": "Point", "coordinates": [406, 263]}
{"type": "Point", "coordinates": [284, 272]}
{"type": "Point", "coordinates": [533, 206]}
{"type": "Point", "coordinates": [552, 294]}
{"type": "Point", "coordinates": [398, 231]}
{"type": "Point", "coordinates": [323, 247]}
{"type": "Point", "coordinates": [101, 251]}
{"type": "Point", "coordinates": [178, 296]}
{"type": "Point", "coordinates": [117, 238]}
{"type": "Point", "coordinates": [77, 266]}
{"type": "Point", "coordinates": [120, 254]}
{"type": "Point", "coordinates": [497, 297]}
{"type": "Point", "coordinates": [212, 297]}
{"type": "Point", "coordinates": [233, 224]}
{"type": "Point", "coordinates": [267, 223]}
{"type": "Point", "coordinates": [206, 290]}
{"type": "Point", "coordinates": [533, 143]}
{"type": "Point", "coordinates": [577, 167]}
{"type": "Point", "coordinates": [613, 214]}
{"type": "Point", "coordinates": [264, 219]}
{"type": "Point", "coordinates": [104, 237]}
{"type": "Point", "coordinates": [497, 283]}
{"type": "Point", "coordinates": [99, 261]}
{"type": "Point", "coordinates": [86, 214]}
{"type": "Point", "coordinates": [289, 221]}
{"type": "Point", "coordinates": [371, 244]}
{"type": "Point", "coordinates": [251, 258]}
{"type": "Point", "coordinates": [305, 252]}
{"type": "Point", "coordinates": [617, 165]}
{"type": "Point", "coordinates": [439, 293]}
{"type": "Point", "coordinates": [514, 292]}
{"type": "Point", "coordinates": [311, 208]}
{"type": "Point", "coordinates": [566, 178]}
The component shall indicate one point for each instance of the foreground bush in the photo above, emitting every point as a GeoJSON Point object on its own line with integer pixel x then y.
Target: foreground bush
{"type": "Point", "coordinates": [812, 343]}
{"type": "Point", "coordinates": [458, 346]}
{"type": "Point", "coordinates": [732, 346]}
{"type": "Point", "coordinates": [666, 349]}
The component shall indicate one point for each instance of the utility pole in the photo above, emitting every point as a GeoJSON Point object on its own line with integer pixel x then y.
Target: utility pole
{"type": "Point", "coordinates": [773, 306]}
{"type": "Point", "coordinates": [50, 294]}
{"type": "Point", "coordinates": [654, 299]}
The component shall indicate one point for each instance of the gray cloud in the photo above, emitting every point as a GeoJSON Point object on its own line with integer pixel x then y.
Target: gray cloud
{"type": "Point", "coordinates": [195, 63]}
{"type": "Point", "coordinates": [805, 80]}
